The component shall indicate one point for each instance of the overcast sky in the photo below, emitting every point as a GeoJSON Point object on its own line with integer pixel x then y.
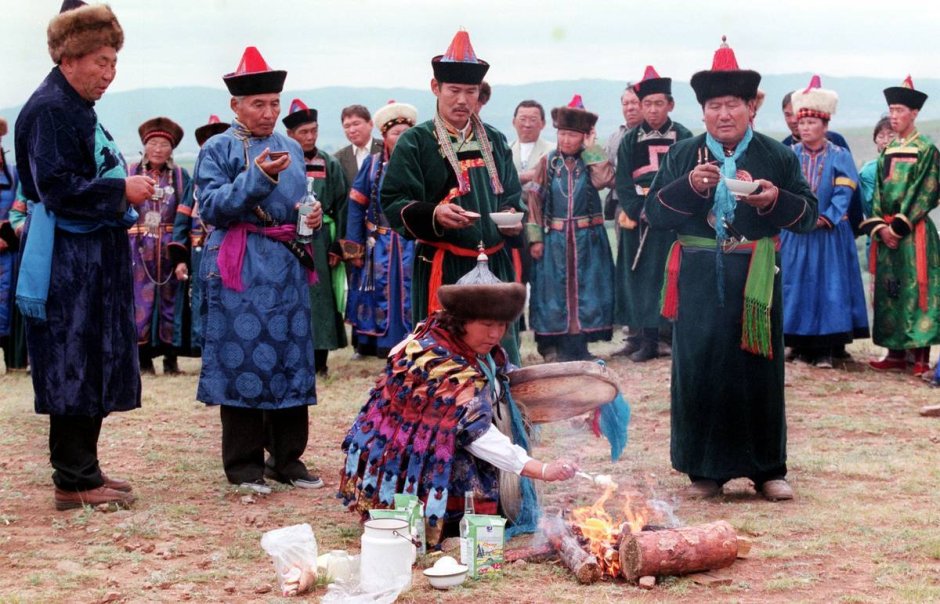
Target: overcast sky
{"type": "Point", "coordinates": [371, 43]}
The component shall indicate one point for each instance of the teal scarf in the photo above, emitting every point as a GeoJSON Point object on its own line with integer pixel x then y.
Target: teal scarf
{"type": "Point", "coordinates": [725, 203]}
{"type": "Point", "coordinates": [32, 286]}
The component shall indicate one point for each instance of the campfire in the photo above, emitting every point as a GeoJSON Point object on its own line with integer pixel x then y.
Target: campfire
{"type": "Point", "coordinates": [600, 534]}
{"type": "Point", "coordinates": [635, 544]}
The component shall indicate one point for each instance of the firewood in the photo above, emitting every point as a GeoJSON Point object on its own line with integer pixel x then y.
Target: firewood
{"type": "Point", "coordinates": [532, 553]}
{"type": "Point", "coordinates": [582, 564]}
{"type": "Point", "coordinates": [678, 551]}
{"type": "Point", "coordinates": [930, 411]}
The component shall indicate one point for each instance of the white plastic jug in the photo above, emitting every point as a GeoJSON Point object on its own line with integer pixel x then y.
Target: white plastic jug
{"type": "Point", "coordinates": [387, 554]}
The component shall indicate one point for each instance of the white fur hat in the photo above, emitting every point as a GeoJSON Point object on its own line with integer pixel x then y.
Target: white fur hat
{"type": "Point", "coordinates": [815, 101]}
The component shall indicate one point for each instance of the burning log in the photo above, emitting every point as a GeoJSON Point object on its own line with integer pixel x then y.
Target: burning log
{"type": "Point", "coordinates": [678, 551]}
{"type": "Point", "coordinates": [532, 553]}
{"type": "Point", "coordinates": [582, 564]}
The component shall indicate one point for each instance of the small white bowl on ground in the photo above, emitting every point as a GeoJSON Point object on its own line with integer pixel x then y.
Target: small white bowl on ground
{"type": "Point", "coordinates": [446, 573]}
{"type": "Point", "coordinates": [740, 188]}
{"type": "Point", "coordinates": [506, 219]}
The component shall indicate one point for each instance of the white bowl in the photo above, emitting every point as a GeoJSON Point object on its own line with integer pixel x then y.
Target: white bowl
{"type": "Point", "coordinates": [506, 219]}
{"type": "Point", "coordinates": [447, 577]}
{"type": "Point", "coordinates": [740, 188]}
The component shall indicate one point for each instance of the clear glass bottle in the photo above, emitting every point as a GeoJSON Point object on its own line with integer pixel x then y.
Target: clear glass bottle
{"type": "Point", "coordinates": [305, 233]}
{"type": "Point", "coordinates": [466, 547]}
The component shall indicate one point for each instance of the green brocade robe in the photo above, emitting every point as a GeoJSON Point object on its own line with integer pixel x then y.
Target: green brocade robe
{"type": "Point", "coordinates": [637, 290]}
{"type": "Point", "coordinates": [906, 190]}
{"type": "Point", "coordinates": [728, 411]}
{"type": "Point", "coordinates": [419, 177]}
{"type": "Point", "coordinates": [328, 293]}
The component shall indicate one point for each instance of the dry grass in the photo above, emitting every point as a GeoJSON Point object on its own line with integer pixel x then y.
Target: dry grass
{"type": "Point", "coordinates": [864, 526]}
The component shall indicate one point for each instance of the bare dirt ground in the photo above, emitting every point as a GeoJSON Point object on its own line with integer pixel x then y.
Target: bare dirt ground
{"type": "Point", "coordinates": [865, 526]}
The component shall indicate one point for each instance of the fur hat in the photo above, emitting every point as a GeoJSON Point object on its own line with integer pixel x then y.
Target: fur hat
{"type": "Point", "coordinates": [161, 126]}
{"type": "Point", "coordinates": [78, 31]}
{"type": "Point", "coordinates": [392, 114]}
{"type": "Point", "coordinates": [815, 101]}
{"type": "Point", "coordinates": [574, 117]}
{"type": "Point", "coordinates": [725, 78]}
{"type": "Point", "coordinates": [480, 295]}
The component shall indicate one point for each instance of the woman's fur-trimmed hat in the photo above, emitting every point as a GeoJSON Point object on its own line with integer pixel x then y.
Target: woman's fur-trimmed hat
{"type": "Point", "coordinates": [481, 296]}
{"type": "Point", "coordinates": [75, 32]}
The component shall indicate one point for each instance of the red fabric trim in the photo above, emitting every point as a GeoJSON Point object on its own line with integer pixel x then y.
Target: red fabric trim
{"type": "Point", "coordinates": [670, 302]}
{"type": "Point", "coordinates": [920, 251]}
{"type": "Point", "coordinates": [184, 210]}
{"type": "Point", "coordinates": [437, 266]}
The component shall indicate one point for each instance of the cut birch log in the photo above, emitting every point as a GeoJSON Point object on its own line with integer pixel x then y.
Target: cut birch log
{"type": "Point", "coordinates": [678, 551]}
{"type": "Point", "coordinates": [930, 411]}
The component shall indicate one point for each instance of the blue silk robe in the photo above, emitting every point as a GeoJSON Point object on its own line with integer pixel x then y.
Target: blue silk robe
{"type": "Point", "coordinates": [822, 282]}
{"type": "Point", "coordinates": [379, 301]}
{"type": "Point", "coordinates": [258, 346]}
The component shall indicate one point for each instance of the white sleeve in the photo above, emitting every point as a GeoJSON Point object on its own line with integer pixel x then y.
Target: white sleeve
{"type": "Point", "coordinates": [495, 447]}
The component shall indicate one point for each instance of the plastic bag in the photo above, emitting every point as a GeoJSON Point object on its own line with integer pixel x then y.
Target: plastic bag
{"type": "Point", "coordinates": [294, 551]}
{"type": "Point", "coordinates": [353, 593]}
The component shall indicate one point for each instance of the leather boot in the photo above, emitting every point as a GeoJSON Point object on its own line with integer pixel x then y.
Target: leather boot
{"type": "Point", "coordinates": [146, 365]}
{"type": "Point", "coordinates": [921, 361]}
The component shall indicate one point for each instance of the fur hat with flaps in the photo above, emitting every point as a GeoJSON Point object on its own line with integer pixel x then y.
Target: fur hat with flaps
{"type": "Point", "coordinates": [815, 101]}
{"type": "Point", "coordinates": [481, 296]}
{"type": "Point", "coordinates": [80, 29]}
{"type": "Point", "coordinates": [574, 116]}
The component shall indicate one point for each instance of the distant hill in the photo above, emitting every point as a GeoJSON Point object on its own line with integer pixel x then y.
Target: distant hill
{"type": "Point", "coordinates": [861, 105]}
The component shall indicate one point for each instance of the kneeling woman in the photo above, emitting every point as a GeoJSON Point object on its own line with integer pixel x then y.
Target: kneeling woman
{"type": "Point", "coordinates": [427, 429]}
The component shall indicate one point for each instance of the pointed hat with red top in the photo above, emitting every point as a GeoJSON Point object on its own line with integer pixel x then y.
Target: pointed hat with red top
{"type": "Point", "coordinates": [652, 84]}
{"type": "Point", "coordinates": [459, 65]}
{"type": "Point", "coordinates": [209, 129]}
{"type": "Point", "coordinates": [906, 95]}
{"type": "Point", "coordinates": [298, 115]}
{"type": "Point", "coordinates": [815, 101]}
{"type": "Point", "coordinates": [254, 76]}
{"type": "Point", "coordinates": [574, 116]}
{"type": "Point", "coordinates": [725, 78]}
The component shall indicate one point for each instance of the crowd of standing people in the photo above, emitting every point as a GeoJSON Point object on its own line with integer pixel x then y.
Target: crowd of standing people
{"type": "Point", "coordinates": [734, 253]}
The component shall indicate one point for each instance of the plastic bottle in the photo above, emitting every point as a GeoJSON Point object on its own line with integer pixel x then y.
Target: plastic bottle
{"type": "Point", "coordinates": [466, 547]}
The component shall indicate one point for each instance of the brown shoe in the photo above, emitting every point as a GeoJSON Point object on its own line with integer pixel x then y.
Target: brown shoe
{"type": "Point", "coordinates": [116, 484]}
{"type": "Point", "coordinates": [777, 490]}
{"type": "Point", "coordinates": [702, 489]}
{"type": "Point", "coordinates": [69, 500]}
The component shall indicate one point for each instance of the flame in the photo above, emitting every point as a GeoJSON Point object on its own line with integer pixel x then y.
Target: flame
{"type": "Point", "coordinates": [603, 533]}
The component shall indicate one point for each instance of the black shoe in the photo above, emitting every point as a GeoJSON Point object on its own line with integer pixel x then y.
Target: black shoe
{"type": "Point", "coordinates": [307, 481]}
{"type": "Point", "coordinates": [647, 352]}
